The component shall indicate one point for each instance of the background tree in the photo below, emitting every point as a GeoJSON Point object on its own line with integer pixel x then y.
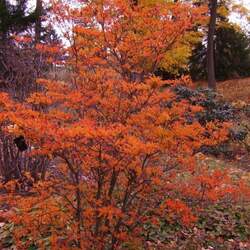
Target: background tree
{"type": "Point", "coordinates": [196, 43]}
{"type": "Point", "coordinates": [220, 11]}
{"type": "Point", "coordinates": [21, 29]}
{"type": "Point", "coordinates": [213, 4]}
{"type": "Point", "coordinates": [14, 17]}
{"type": "Point", "coordinates": [232, 55]}
{"type": "Point", "coordinates": [175, 62]}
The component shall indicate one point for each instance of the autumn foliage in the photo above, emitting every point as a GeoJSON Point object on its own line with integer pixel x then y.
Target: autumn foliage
{"type": "Point", "coordinates": [123, 157]}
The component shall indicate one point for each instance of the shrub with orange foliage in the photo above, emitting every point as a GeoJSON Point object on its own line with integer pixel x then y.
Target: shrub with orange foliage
{"type": "Point", "coordinates": [122, 152]}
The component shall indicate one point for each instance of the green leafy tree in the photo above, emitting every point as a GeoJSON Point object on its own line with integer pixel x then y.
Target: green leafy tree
{"type": "Point", "coordinates": [232, 55]}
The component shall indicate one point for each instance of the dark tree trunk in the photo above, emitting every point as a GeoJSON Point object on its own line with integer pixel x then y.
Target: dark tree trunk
{"type": "Point", "coordinates": [38, 25]}
{"type": "Point", "coordinates": [3, 21]}
{"type": "Point", "coordinates": [210, 45]}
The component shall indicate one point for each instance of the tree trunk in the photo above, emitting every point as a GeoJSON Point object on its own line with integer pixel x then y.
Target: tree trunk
{"type": "Point", "coordinates": [210, 45]}
{"type": "Point", "coordinates": [3, 21]}
{"type": "Point", "coordinates": [38, 25]}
